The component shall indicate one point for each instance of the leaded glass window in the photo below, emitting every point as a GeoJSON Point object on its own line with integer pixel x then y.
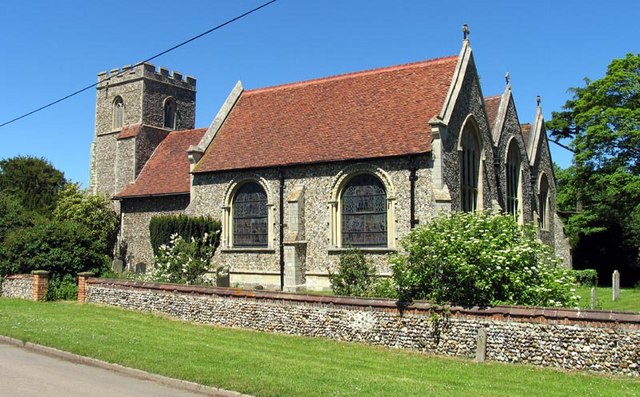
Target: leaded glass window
{"type": "Point", "coordinates": [513, 179]}
{"type": "Point", "coordinates": [118, 112]}
{"type": "Point", "coordinates": [469, 171]}
{"type": "Point", "coordinates": [543, 205]}
{"type": "Point", "coordinates": [250, 216]}
{"type": "Point", "coordinates": [364, 212]}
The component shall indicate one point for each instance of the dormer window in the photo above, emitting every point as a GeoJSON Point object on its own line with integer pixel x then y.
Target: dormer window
{"type": "Point", "coordinates": [118, 112]}
{"type": "Point", "coordinates": [170, 113]}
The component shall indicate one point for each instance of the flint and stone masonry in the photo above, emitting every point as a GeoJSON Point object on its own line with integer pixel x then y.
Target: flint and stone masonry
{"type": "Point", "coordinates": [598, 341]}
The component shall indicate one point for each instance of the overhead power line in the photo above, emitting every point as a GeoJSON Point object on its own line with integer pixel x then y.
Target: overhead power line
{"type": "Point", "coordinates": [139, 63]}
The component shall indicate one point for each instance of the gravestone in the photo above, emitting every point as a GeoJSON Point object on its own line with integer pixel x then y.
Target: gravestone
{"type": "Point", "coordinates": [594, 298]}
{"type": "Point", "coordinates": [117, 265]}
{"type": "Point", "coordinates": [615, 285]}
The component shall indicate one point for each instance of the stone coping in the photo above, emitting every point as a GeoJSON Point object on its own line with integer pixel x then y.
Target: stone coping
{"type": "Point", "coordinates": [502, 312]}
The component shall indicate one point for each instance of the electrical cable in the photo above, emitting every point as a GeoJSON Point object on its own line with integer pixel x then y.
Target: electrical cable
{"type": "Point", "coordinates": [139, 63]}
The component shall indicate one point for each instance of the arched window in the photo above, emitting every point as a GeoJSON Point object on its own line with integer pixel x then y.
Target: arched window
{"type": "Point", "coordinates": [543, 202]}
{"type": "Point", "coordinates": [170, 113]}
{"type": "Point", "coordinates": [469, 169]}
{"type": "Point", "coordinates": [250, 216]}
{"type": "Point", "coordinates": [513, 180]}
{"type": "Point", "coordinates": [364, 212]}
{"type": "Point", "coordinates": [118, 112]}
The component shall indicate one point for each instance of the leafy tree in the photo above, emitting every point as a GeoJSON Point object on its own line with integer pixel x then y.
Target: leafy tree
{"type": "Point", "coordinates": [62, 248]}
{"type": "Point", "coordinates": [603, 119]}
{"type": "Point", "coordinates": [480, 259]}
{"type": "Point", "coordinates": [94, 212]}
{"type": "Point", "coordinates": [33, 181]}
{"type": "Point", "coordinates": [13, 216]}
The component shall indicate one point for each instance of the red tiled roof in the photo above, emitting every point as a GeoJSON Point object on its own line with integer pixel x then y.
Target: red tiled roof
{"type": "Point", "coordinates": [492, 104]}
{"type": "Point", "coordinates": [167, 171]}
{"type": "Point", "coordinates": [376, 113]}
{"type": "Point", "coordinates": [525, 129]}
{"type": "Point", "coordinates": [129, 131]}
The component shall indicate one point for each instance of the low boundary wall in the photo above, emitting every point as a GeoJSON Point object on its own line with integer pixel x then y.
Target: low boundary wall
{"type": "Point", "coordinates": [600, 341]}
{"type": "Point", "coordinates": [17, 286]}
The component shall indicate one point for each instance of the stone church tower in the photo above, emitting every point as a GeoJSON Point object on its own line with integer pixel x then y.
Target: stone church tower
{"type": "Point", "coordinates": [136, 108]}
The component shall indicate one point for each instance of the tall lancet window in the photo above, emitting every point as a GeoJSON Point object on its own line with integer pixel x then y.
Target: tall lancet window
{"type": "Point", "coordinates": [118, 112]}
{"type": "Point", "coordinates": [170, 113]}
{"type": "Point", "coordinates": [469, 169]}
{"type": "Point", "coordinates": [543, 202]}
{"type": "Point", "coordinates": [514, 188]}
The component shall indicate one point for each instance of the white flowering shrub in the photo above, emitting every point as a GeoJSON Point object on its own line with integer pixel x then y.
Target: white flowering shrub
{"type": "Point", "coordinates": [480, 259]}
{"type": "Point", "coordinates": [184, 261]}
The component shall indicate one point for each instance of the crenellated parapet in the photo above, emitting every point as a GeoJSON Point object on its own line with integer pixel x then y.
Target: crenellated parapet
{"type": "Point", "coordinates": [128, 73]}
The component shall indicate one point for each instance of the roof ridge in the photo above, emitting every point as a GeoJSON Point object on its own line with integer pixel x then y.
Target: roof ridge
{"type": "Point", "coordinates": [341, 76]}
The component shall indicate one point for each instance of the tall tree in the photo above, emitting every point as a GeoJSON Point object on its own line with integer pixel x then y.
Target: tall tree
{"type": "Point", "coordinates": [603, 119]}
{"type": "Point", "coordinates": [33, 181]}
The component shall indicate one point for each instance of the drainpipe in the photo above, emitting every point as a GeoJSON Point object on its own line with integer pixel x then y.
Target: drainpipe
{"type": "Point", "coordinates": [412, 192]}
{"type": "Point", "coordinates": [281, 211]}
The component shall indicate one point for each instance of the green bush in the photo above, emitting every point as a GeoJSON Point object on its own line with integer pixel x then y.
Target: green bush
{"type": "Point", "coordinates": [184, 261]}
{"type": "Point", "coordinates": [62, 248]}
{"type": "Point", "coordinates": [480, 259]}
{"type": "Point", "coordinates": [586, 277]}
{"type": "Point", "coordinates": [162, 227]}
{"type": "Point", "coordinates": [356, 277]}
{"type": "Point", "coordinates": [65, 288]}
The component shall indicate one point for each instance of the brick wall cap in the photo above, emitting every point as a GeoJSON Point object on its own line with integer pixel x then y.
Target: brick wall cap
{"type": "Point", "coordinates": [40, 273]}
{"type": "Point", "coordinates": [18, 276]}
{"type": "Point", "coordinates": [86, 274]}
{"type": "Point", "coordinates": [502, 312]}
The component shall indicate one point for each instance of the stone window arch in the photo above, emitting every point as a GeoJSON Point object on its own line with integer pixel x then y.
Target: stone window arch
{"type": "Point", "coordinates": [513, 169]}
{"type": "Point", "coordinates": [248, 215]}
{"type": "Point", "coordinates": [118, 112]}
{"type": "Point", "coordinates": [543, 202]}
{"type": "Point", "coordinates": [170, 108]}
{"type": "Point", "coordinates": [362, 210]}
{"type": "Point", "coordinates": [471, 156]}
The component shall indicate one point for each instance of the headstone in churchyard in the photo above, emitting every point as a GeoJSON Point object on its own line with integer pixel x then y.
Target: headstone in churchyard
{"type": "Point", "coordinates": [481, 348]}
{"type": "Point", "coordinates": [117, 265]}
{"type": "Point", "coordinates": [594, 298]}
{"type": "Point", "coordinates": [615, 284]}
{"type": "Point", "coordinates": [141, 268]}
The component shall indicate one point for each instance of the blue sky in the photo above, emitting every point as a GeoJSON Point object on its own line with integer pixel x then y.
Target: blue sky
{"type": "Point", "coordinates": [52, 48]}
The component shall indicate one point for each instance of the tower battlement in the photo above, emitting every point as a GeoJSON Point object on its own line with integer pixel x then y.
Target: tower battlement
{"type": "Point", "coordinates": [128, 73]}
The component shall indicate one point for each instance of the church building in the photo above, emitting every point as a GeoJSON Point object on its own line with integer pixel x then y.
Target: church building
{"type": "Point", "coordinates": [300, 172]}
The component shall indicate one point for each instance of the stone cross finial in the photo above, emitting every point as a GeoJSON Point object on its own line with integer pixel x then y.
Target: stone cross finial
{"type": "Point", "coordinates": [465, 31]}
{"type": "Point", "coordinates": [507, 77]}
{"type": "Point", "coordinates": [538, 100]}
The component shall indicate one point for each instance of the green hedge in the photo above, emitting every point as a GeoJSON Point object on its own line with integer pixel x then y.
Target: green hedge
{"type": "Point", "coordinates": [163, 226]}
{"type": "Point", "coordinates": [586, 277]}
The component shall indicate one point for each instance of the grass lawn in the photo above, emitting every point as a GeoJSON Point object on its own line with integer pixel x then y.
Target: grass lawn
{"type": "Point", "coordinates": [629, 299]}
{"type": "Point", "coordinates": [276, 365]}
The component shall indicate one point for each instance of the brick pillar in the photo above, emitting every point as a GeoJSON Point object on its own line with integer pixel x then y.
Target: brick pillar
{"type": "Point", "coordinates": [82, 286]}
{"type": "Point", "coordinates": [40, 284]}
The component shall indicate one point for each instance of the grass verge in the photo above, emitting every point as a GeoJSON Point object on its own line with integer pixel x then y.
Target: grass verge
{"type": "Point", "coordinates": [263, 364]}
{"type": "Point", "coordinates": [629, 299]}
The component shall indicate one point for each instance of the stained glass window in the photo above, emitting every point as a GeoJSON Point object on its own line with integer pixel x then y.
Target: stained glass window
{"type": "Point", "coordinates": [513, 179]}
{"type": "Point", "coordinates": [364, 212]}
{"type": "Point", "coordinates": [250, 216]}
{"type": "Point", "coordinates": [469, 171]}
